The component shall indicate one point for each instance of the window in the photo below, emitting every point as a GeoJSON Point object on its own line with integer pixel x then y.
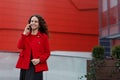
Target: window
{"type": "Point", "coordinates": [104, 20]}
{"type": "Point", "coordinates": [113, 17]}
{"type": "Point", "coordinates": [113, 11]}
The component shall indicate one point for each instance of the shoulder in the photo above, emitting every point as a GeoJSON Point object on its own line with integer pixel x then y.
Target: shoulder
{"type": "Point", "coordinates": [42, 34]}
{"type": "Point", "coordinates": [45, 35]}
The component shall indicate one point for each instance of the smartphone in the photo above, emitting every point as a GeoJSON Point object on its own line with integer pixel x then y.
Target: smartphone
{"type": "Point", "coordinates": [29, 28]}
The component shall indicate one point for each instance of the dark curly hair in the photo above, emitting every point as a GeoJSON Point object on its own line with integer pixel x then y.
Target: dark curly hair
{"type": "Point", "coordinates": [43, 26]}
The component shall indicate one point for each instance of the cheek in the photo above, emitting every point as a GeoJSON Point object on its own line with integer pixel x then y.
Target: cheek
{"type": "Point", "coordinates": [37, 24]}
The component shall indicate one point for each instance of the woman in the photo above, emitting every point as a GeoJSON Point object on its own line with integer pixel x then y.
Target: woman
{"type": "Point", "coordinates": [35, 49]}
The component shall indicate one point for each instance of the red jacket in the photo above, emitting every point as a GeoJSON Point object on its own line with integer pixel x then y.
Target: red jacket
{"type": "Point", "coordinates": [40, 49]}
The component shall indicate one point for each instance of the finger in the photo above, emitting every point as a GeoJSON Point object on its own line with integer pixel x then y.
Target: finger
{"type": "Point", "coordinates": [34, 63]}
{"type": "Point", "coordinates": [27, 26]}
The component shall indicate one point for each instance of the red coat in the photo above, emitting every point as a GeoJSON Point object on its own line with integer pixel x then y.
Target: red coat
{"type": "Point", "coordinates": [40, 49]}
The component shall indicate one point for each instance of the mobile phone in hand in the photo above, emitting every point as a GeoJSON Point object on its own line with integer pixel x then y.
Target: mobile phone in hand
{"type": "Point", "coordinates": [29, 28]}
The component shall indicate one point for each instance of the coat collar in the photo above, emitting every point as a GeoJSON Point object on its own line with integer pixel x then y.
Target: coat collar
{"type": "Point", "coordinates": [39, 34]}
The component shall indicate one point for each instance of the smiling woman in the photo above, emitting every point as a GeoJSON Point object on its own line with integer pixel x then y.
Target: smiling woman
{"type": "Point", "coordinates": [35, 49]}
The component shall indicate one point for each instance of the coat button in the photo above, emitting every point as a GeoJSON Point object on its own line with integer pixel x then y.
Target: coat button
{"type": "Point", "coordinates": [38, 36]}
{"type": "Point", "coordinates": [38, 42]}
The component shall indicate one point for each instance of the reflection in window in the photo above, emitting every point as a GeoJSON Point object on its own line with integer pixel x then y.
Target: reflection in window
{"type": "Point", "coordinates": [104, 13]}
{"type": "Point", "coordinates": [119, 9]}
{"type": "Point", "coordinates": [115, 42]}
{"type": "Point", "coordinates": [104, 26]}
{"type": "Point", "coordinates": [113, 12]}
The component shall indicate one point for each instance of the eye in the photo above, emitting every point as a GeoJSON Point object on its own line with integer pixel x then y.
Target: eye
{"type": "Point", "coordinates": [36, 21]}
{"type": "Point", "coordinates": [32, 21]}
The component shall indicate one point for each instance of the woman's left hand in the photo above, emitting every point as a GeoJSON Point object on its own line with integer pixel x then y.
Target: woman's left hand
{"type": "Point", "coordinates": [35, 61]}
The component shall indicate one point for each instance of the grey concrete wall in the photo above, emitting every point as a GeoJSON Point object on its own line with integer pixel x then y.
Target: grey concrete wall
{"type": "Point", "coordinates": [62, 65]}
{"type": "Point", "coordinates": [7, 66]}
{"type": "Point", "coordinates": [65, 65]}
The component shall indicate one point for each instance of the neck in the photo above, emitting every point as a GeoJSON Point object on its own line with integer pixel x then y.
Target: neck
{"type": "Point", "coordinates": [34, 32]}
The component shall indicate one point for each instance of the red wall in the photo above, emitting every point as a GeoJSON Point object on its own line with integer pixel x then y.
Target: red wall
{"type": "Point", "coordinates": [73, 24]}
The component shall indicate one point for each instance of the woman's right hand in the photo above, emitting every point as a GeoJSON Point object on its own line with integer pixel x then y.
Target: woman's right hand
{"type": "Point", "coordinates": [27, 29]}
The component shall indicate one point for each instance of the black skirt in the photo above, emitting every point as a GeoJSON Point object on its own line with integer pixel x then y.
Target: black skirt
{"type": "Point", "coordinates": [30, 74]}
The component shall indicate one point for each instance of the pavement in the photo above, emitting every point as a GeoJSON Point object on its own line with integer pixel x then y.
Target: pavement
{"type": "Point", "coordinates": [7, 66]}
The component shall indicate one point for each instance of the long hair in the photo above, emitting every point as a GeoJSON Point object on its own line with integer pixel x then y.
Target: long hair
{"type": "Point", "coordinates": [43, 26]}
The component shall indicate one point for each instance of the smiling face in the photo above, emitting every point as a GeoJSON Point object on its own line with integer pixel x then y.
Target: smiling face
{"type": "Point", "coordinates": [34, 23]}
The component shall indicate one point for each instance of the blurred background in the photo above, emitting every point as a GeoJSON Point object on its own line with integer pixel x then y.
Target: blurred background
{"type": "Point", "coordinates": [73, 24]}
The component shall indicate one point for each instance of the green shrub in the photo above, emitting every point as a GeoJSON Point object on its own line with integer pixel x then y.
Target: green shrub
{"type": "Point", "coordinates": [116, 51]}
{"type": "Point", "coordinates": [98, 52]}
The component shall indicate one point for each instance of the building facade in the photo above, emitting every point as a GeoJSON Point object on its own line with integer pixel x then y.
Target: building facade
{"type": "Point", "coordinates": [109, 19]}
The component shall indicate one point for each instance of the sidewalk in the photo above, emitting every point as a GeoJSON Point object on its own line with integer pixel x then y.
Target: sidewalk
{"type": "Point", "coordinates": [7, 66]}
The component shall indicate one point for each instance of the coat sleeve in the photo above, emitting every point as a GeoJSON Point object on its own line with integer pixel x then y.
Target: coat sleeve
{"type": "Point", "coordinates": [46, 53]}
{"type": "Point", "coordinates": [21, 42]}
